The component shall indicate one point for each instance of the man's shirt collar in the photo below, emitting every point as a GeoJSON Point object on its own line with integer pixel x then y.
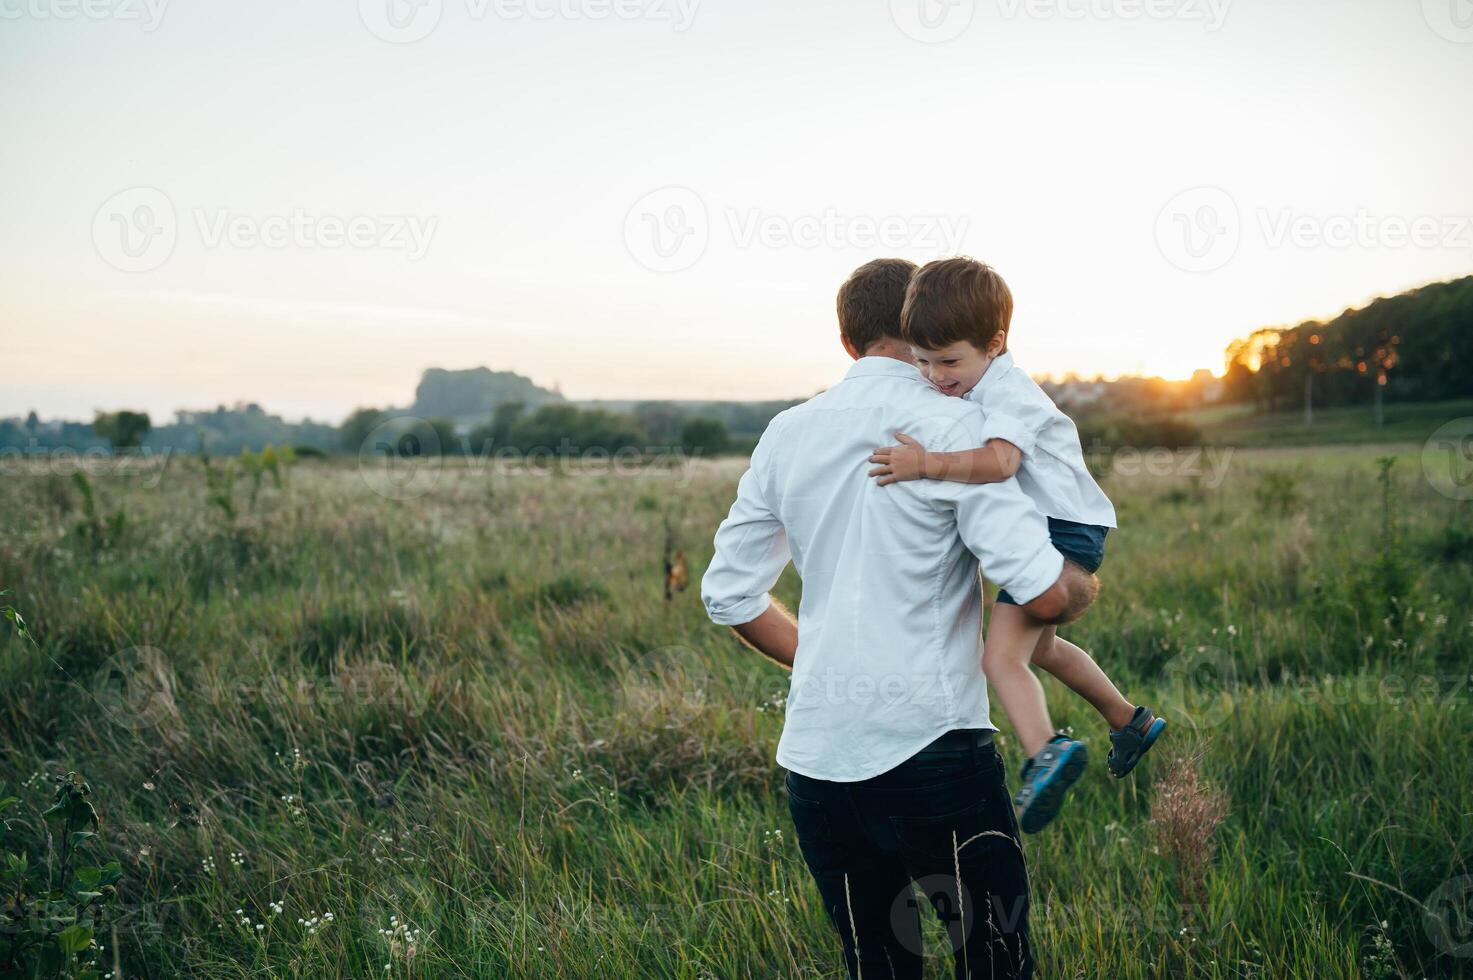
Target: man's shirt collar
{"type": "Point", "coordinates": [886, 366]}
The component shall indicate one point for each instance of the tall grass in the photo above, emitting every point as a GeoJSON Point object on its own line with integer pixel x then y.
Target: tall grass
{"type": "Point", "coordinates": [472, 728]}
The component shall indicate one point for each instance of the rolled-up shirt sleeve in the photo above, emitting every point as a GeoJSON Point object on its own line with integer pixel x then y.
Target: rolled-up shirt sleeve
{"type": "Point", "coordinates": [751, 553]}
{"type": "Point", "coordinates": [998, 523]}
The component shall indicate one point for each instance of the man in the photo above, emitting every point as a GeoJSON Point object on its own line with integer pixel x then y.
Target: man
{"type": "Point", "coordinates": [892, 775]}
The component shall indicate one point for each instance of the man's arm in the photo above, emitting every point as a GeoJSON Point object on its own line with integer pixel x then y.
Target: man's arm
{"type": "Point", "coordinates": [751, 553]}
{"type": "Point", "coordinates": [774, 634]}
{"type": "Point", "coordinates": [1067, 599]}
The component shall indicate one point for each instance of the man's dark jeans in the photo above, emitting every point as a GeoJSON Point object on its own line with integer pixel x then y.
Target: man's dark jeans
{"type": "Point", "coordinates": [942, 818]}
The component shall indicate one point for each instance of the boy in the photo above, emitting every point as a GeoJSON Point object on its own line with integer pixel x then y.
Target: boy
{"type": "Point", "coordinates": [956, 318]}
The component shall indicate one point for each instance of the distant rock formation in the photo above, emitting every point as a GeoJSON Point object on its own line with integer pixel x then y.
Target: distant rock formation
{"type": "Point", "coordinates": [475, 392]}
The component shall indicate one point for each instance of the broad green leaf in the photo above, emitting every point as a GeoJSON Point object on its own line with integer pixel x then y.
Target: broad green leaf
{"type": "Point", "coordinates": [74, 938]}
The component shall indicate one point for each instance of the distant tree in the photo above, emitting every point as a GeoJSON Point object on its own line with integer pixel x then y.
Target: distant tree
{"type": "Point", "coordinates": [661, 420]}
{"type": "Point", "coordinates": [125, 430]}
{"type": "Point", "coordinates": [33, 422]}
{"type": "Point", "coordinates": [356, 427]}
{"type": "Point", "coordinates": [566, 430]}
{"type": "Point", "coordinates": [504, 419]}
{"type": "Point", "coordinates": [445, 443]}
{"type": "Point", "coordinates": [1413, 347]}
{"type": "Point", "coordinates": [704, 436]}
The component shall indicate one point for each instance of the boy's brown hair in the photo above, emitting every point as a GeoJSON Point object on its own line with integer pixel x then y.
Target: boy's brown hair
{"type": "Point", "coordinates": [870, 300]}
{"type": "Point", "coordinates": [951, 300]}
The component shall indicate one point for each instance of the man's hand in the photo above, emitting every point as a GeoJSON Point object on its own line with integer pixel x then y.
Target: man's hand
{"type": "Point", "coordinates": [1067, 599]}
{"type": "Point", "coordinates": [906, 461]}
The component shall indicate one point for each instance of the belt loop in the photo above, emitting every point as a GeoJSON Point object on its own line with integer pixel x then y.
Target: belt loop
{"type": "Point", "coordinates": [976, 738]}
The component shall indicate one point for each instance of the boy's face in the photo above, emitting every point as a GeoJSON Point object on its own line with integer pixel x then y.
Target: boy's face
{"type": "Point", "coordinates": [955, 370]}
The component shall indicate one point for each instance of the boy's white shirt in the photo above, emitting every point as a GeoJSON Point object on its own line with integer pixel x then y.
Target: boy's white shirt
{"type": "Point", "coordinates": [1053, 473]}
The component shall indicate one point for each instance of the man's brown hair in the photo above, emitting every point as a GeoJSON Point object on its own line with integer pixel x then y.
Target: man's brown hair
{"type": "Point", "coordinates": [951, 300]}
{"type": "Point", "coordinates": [870, 301]}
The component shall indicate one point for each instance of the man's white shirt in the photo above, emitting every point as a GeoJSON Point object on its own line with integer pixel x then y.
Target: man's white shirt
{"type": "Point", "coordinates": [889, 626]}
{"type": "Point", "coordinates": [1053, 473]}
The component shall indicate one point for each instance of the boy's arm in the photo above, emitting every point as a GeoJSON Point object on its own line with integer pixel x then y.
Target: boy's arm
{"type": "Point", "coordinates": [992, 462]}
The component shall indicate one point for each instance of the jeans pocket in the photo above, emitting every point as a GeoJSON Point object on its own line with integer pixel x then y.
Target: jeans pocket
{"type": "Point", "coordinates": [959, 829]}
{"type": "Point", "coordinates": [809, 819]}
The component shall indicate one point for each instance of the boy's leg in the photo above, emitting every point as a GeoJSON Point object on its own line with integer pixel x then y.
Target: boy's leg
{"type": "Point", "coordinates": [1078, 671]}
{"type": "Point", "coordinates": [1012, 638]}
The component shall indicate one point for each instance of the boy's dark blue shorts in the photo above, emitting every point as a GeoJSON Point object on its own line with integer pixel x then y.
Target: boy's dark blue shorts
{"type": "Point", "coordinates": [1083, 544]}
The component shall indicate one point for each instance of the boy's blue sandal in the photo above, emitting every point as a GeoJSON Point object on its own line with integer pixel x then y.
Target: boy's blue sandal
{"type": "Point", "coordinates": [1046, 778]}
{"type": "Point", "coordinates": [1133, 741]}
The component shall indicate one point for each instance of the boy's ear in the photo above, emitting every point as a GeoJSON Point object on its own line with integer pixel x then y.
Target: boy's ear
{"type": "Point", "coordinates": [999, 344]}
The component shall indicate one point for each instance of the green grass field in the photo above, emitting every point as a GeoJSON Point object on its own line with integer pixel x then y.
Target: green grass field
{"type": "Point", "coordinates": [1404, 422]}
{"type": "Point", "coordinates": [464, 734]}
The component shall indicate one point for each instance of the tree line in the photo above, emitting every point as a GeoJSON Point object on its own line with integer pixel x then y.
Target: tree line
{"type": "Point", "coordinates": [1417, 346]}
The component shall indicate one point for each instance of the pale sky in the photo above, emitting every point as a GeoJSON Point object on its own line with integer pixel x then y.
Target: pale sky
{"type": "Point", "coordinates": [659, 198]}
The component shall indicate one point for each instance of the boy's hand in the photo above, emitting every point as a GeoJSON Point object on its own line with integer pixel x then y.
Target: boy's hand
{"type": "Point", "coordinates": [906, 461]}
